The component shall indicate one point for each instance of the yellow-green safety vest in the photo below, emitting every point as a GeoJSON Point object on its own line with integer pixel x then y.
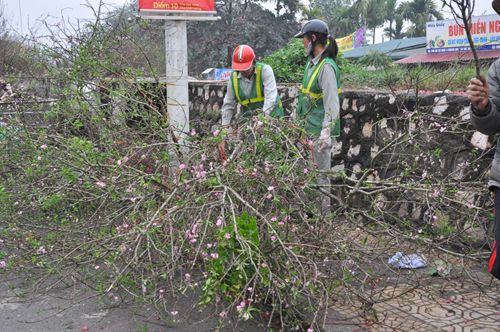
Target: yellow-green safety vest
{"type": "Point", "coordinates": [310, 107]}
{"type": "Point", "coordinates": [256, 99]}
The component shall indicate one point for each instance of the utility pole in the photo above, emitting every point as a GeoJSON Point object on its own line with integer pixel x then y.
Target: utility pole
{"type": "Point", "coordinates": [21, 18]}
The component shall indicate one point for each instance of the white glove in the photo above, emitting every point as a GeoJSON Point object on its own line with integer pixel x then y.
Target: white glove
{"type": "Point", "coordinates": [324, 140]}
{"type": "Point", "coordinates": [293, 116]}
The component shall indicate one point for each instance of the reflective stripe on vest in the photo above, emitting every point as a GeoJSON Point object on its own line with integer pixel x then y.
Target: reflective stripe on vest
{"type": "Point", "coordinates": [311, 80]}
{"type": "Point", "coordinates": [257, 86]}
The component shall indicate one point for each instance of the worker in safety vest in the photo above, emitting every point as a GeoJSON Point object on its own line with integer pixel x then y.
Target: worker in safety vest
{"type": "Point", "coordinates": [251, 84]}
{"type": "Point", "coordinates": [319, 105]}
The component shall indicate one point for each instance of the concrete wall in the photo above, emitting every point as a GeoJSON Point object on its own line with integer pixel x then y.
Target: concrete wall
{"type": "Point", "coordinates": [437, 132]}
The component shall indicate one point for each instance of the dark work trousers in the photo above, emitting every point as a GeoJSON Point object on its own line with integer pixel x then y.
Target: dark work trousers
{"type": "Point", "coordinates": [494, 265]}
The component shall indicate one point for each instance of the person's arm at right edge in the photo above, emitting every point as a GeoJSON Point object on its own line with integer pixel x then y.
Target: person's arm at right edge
{"type": "Point", "coordinates": [484, 96]}
{"type": "Point", "coordinates": [228, 106]}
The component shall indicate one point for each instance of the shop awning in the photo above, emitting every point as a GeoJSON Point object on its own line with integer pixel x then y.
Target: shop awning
{"type": "Point", "coordinates": [447, 57]}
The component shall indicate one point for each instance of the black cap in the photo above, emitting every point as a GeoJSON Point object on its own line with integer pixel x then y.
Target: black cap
{"type": "Point", "coordinates": [496, 6]}
{"type": "Point", "coordinates": [317, 26]}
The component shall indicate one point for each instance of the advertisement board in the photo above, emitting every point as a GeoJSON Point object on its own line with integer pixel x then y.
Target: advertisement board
{"type": "Point", "coordinates": [217, 74]}
{"type": "Point", "coordinates": [352, 41]}
{"type": "Point", "coordinates": [449, 36]}
{"type": "Point", "coordinates": [176, 5]}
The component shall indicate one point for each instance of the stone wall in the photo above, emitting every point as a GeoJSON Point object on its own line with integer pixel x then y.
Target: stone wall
{"type": "Point", "coordinates": [436, 130]}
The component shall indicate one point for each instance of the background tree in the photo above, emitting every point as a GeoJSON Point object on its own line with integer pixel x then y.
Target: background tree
{"type": "Point", "coordinates": [372, 14]}
{"type": "Point", "coordinates": [340, 15]}
{"type": "Point", "coordinates": [390, 13]}
{"type": "Point", "coordinates": [397, 32]}
{"type": "Point", "coordinates": [251, 25]}
{"type": "Point", "coordinates": [418, 13]}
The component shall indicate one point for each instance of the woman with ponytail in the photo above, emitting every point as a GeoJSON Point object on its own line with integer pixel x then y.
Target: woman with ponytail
{"type": "Point", "coordinates": [319, 106]}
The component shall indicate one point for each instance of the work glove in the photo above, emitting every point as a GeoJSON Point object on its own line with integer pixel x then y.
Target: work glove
{"type": "Point", "coordinates": [324, 140]}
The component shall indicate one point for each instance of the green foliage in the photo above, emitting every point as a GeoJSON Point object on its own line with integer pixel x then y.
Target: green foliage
{"type": "Point", "coordinates": [288, 63]}
{"type": "Point", "coordinates": [375, 59]}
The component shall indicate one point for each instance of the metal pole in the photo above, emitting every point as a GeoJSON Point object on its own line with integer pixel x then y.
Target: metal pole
{"type": "Point", "coordinates": [21, 18]}
{"type": "Point", "coordinates": [177, 77]}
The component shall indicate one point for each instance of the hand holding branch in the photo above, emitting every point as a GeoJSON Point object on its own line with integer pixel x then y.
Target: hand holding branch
{"type": "Point", "coordinates": [478, 92]}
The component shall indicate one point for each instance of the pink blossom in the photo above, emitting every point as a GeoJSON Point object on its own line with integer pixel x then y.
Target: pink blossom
{"type": "Point", "coordinates": [119, 162]}
{"type": "Point", "coordinates": [96, 267]}
{"type": "Point", "coordinates": [274, 219]}
{"type": "Point", "coordinates": [161, 290]}
{"type": "Point", "coordinates": [188, 276]}
{"type": "Point", "coordinates": [227, 236]}
{"type": "Point", "coordinates": [101, 184]}
{"type": "Point", "coordinates": [216, 133]}
{"type": "Point", "coordinates": [3, 264]}
{"type": "Point", "coordinates": [305, 170]}
{"type": "Point", "coordinates": [44, 146]}
{"type": "Point", "coordinates": [273, 238]}
{"type": "Point", "coordinates": [39, 158]}
{"type": "Point", "coordinates": [310, 330]}
{"type": "Point", "coordinates": [85, 328]}
{"type": "Point", "coordinates": [182, 166]}
{"type": "Point", "coordinates": [193, 132]}
{"type": "Point", "coordinates": [269, 196]}
{"type": "Point", "coordinates": [264, 265]}
{"type": "Point", "coordinates": [424, 175]}
{"type": "Point", "coordinates": [470, 205]}
{"type": "Point", "coordinates": [270, 188]}
{"type": "Point", "coordinates": [174, 313]}
{"type": "Point", "coordinates": [241, 306]}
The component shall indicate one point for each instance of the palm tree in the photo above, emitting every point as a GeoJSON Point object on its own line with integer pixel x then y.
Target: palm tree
{"type": "Point", "coordinates": [344, 22]}
{"type": "Point", "coordinates": [310, 13]}
{"type": "Point", "coordinates": [419, 12]}
{"type": "Point", "coordinates": [397, 32]}
{"type": "Point", "coordinates": [372, 13]}
{"type": "Point", "coordinates": [390, 12]}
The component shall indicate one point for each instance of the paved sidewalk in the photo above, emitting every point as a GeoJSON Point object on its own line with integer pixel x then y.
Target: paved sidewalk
{"type": "Point", "coordinates": [469, 303]}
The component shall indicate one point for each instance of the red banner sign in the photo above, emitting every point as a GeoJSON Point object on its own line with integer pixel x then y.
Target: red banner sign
{"type": "Point", "coordinates": [173, 5]}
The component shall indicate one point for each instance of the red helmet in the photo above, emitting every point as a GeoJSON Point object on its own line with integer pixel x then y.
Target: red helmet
{"type": "Point", "coordinates": [243, 58]}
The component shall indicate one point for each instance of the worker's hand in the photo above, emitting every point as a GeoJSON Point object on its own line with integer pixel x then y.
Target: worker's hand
{"type": "Point", "coordinates": [478, 93]}
{"type": "Point", "coordinates": [325, 140]}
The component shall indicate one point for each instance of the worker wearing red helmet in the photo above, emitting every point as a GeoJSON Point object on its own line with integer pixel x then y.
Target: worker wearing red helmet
{"type": "Point", "coordinates": [251, 84]}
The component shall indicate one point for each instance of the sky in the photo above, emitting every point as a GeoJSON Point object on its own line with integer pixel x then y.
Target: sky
{"type": "Point", "coordinates": [24, 15]}
{"type": "Point", "coordinates": [34, 12]}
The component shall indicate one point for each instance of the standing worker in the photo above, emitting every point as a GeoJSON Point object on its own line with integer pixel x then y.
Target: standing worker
{"type": "Point", "coordinates": [252, 84]}
{"type": "Point", "coordinates": [485, 117]}
{"type": "Point", "coordinates": [319, 104]}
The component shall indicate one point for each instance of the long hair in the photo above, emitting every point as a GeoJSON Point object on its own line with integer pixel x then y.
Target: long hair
{"type": "Point", "coordinates": [331, 50]}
